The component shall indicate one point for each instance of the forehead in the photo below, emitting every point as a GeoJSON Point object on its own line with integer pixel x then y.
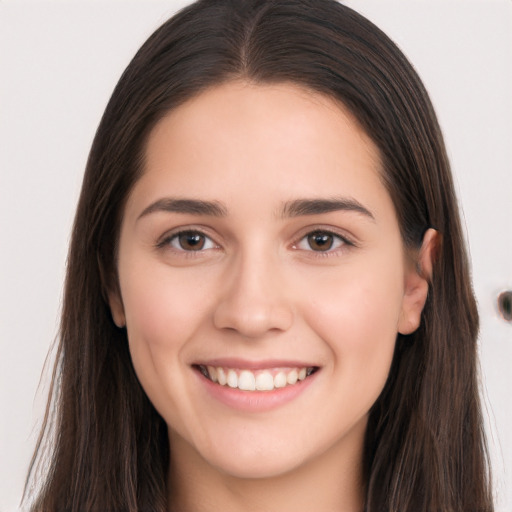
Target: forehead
{"type": "Point", "coordinates": [239, 108]}
{"type": "Point", "coordinates": [247, 139]}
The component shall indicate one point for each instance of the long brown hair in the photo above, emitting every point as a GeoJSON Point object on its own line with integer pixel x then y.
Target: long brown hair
{"type": "Point", "coordinates": [425, 447]}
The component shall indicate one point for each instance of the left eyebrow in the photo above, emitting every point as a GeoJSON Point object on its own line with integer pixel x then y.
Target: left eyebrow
{"type": "Point", "coordinates": [186, 206]}
{"type": "Point", "coordinates": [299, 207]}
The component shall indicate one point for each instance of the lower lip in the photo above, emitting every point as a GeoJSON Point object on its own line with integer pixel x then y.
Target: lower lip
{"type": "Point", "coordinates": [256, 401]}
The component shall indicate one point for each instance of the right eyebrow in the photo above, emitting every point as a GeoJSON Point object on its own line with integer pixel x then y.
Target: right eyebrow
{"type": "Point", "coordinates": [317, 206]}
{"type": "Point", "coordinates": [185, 206]}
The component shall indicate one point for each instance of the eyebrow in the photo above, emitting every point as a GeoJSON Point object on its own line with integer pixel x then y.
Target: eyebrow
{"type": "Point", "coordinates": [300, 207]}
{"type": "Point", "coordinates": [295, 208]}
{"type": "Point", "coordinates": [186, 206]}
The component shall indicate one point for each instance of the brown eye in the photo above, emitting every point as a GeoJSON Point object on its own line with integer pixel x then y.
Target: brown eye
{"type": "Point", "coordinates": [320, 241]}
{"type": "Point", "coordinates": [191, 241]}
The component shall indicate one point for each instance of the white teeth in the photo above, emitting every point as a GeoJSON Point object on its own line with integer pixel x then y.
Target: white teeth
{"type": "Point", "coordinates": [246, 381]}
{"type": "Point", "coordinates": [221, 377]}
{"type": "Point", "coordinates": [232, 379]}
{"type": "Point", "coordinates": [292, 377]}
{"type": "Point", "coordinates": [264, 382]}
{"type": "Point", "coordinates": [213, 373]}
{"type": "Point", "coordinates": [280, 380]}
{"type": "Point", "coordinates": [259, 380]}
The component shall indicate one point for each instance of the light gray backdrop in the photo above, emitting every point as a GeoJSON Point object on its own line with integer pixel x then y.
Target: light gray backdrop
{"type": "Point", "coordinates": [59, 62]}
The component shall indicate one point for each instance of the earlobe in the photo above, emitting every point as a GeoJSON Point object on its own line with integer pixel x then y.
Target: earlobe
{"type": "Point", "coordinates": [417, 284]}
{"type": "Point", "coordinates": [116, 308]}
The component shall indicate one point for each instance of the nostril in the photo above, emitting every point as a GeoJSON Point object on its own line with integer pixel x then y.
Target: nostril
{"type": "Point", "coordinates": [252, 319]}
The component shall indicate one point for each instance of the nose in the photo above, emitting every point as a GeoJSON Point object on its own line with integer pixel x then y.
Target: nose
{"type": "Point", "coordinates": [254, 300]}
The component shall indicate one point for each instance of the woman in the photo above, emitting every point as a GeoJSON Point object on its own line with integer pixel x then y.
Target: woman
{"type": "Point", "coordinates": [268, 303]}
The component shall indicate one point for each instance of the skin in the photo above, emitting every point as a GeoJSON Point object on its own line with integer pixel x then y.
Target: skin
{"type": "Point", "coordinates": [258, 290]}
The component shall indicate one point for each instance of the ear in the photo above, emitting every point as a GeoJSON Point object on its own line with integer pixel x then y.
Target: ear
{"type": "Point", "coordinates": [116, 308]}
{"type": "Point", "coordinates": [111, 293]}
{"type": "Point", "coordinates": [417, 279]}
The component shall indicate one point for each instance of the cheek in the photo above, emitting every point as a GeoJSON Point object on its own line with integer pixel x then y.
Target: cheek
{"type": "Point", "coordinates": [163, 309]}
{"type": "Point", "coordinates": [162, 306]}
{"type": "Point", "coordinates": [356, 313]}
{"type": "Point", "coordinates": [357, 300]}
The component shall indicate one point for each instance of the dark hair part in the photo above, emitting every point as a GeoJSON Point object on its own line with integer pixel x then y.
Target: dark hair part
{"type": "Point", "coordinates": [425, 447]}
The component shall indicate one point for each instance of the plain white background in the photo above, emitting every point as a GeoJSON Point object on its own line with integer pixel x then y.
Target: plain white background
{"type": "Point", "coordinates": [59, 62]}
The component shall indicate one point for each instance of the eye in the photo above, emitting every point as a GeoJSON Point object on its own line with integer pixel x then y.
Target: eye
{"type": "Point", "coordinates": [321, 241]}
{"type": "Point", "coordinates": [190, 241]}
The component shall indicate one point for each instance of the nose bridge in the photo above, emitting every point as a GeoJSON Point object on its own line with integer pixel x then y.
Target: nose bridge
{"type": "Point", "coordinates": [254, 300]}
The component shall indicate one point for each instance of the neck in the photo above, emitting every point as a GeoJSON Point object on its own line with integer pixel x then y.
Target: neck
{"type": "Point", "coordinates": [328, 483]}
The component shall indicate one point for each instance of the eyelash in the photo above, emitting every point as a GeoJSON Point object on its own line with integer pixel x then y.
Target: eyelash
{"type": "Point", "coordinates": [168, 240]}
{"type": "Point", "coordinates": [341, 242]}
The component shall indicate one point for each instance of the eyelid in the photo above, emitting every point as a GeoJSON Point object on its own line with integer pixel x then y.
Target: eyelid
{"type": "Point", "coordinates": [346, 240]}
{"type": "Point", "coordinates": [164, 240]}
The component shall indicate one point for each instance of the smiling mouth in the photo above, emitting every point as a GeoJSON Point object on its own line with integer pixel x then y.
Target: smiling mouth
{"type": "Point", "coordinates": [259, 380]}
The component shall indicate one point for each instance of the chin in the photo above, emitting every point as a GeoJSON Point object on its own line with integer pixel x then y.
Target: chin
{"type": "Point", "coordinates": [258, 466]}
{"type": "Point", "coordinates": [271, 455]}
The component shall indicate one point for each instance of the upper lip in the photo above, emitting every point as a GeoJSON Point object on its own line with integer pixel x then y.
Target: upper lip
{"type": "Point", "coordinates": [244, 364]}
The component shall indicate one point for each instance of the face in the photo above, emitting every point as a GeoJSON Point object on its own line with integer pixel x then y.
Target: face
{"type": "Point", "coordinates": [263, 279]}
